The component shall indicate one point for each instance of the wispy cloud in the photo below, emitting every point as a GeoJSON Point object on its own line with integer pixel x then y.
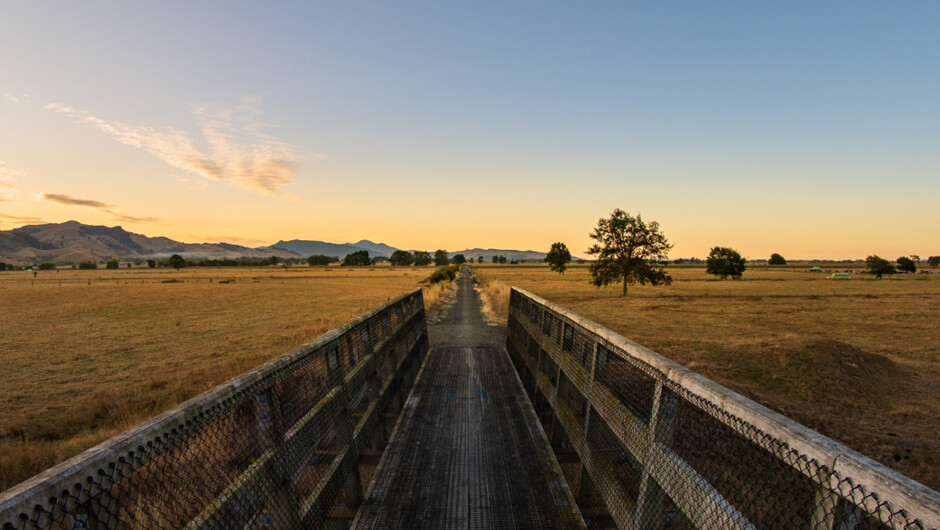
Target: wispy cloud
{"type": "Point", "coordinates": [19, 219]}
{"type": "Point", "coordinates": [68, 200]}
{"type": "Point", "coordinates": [8, 177]}
{"type": "Point", "coordinates": [72, 201]}
{"type": "Point", "coordinates": [237, 149]}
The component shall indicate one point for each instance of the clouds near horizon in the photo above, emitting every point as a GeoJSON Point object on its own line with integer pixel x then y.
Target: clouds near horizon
{"type": "Point", "coordinates": [67, 200]}
{"type": "Point", "coordinates": [237, 149]}
{"type": "Point", "coordinates": [8, 177]}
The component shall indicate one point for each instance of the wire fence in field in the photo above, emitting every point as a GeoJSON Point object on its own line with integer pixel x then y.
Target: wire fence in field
{"type": "Point", "coordinates": [645, 443]}
{"type": "Point", "coordinates": [289, 445]}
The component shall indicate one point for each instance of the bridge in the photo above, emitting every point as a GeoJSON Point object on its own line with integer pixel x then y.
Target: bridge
{"type": "Point", "coordinates": [550, 422]}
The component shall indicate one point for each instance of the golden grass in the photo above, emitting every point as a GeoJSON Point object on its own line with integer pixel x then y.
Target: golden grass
{"type": "Point", "coordinates": [437, 293]}
{"type": "Point", "coordinates": [495, 297]}
{"type": "Point", "coordinates": [87, 354]}
{"type": "Point", "coordinates": [858, 359]}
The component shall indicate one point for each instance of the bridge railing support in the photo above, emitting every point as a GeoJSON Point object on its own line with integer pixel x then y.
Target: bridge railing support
{"type": "Point", "coordinates": [279, 446]}
{"type": "Point", "coordinates": [663, 446]}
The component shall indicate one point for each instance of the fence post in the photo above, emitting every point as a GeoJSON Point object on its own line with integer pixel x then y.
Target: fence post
{"type": "Point", "coordinates": [649, 513]}
{"type": "Point", "coordinates": [826, 502]}
{"type": "Point", "coordinates": [271, 437]}
{"type": "Point", "coordinates": [585, 484]}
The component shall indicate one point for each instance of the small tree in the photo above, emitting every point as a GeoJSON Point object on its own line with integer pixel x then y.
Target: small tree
{"type": "Point", "coordinates": [112, 264]}
{"type": "Point", "coordinates": [151, 263]}
{"type": "Point", "coordinates": [422, 258]}
{"type": "Point", "coordinates": [401, 258]}
{"type": "Point", "coordinates": [495, 259]}
{"type": "Point", "coordinates": [87, 265]}
{"type": "Point", "coordinates": [459, 259]}
{"type": "Point", "coordinates": [360, 257]}
{"type": "Point", "coordinates": [45, 266]}
{"type": "Point", "coordinates": [879, 266]}
{"type": "Point", "coordinates": [479, 259]}
{"type": "Point", "coordinates": [3, 266]}
{"type": "Point", "coordinates": [724, 262]}
{"type": "Point", "coordinates": [933, 261]}
{"type": "Point", "coordinates": [906, 264]}
{"type": "Point", "coordinates": [502, 260]}
{"type": "Point", "coordinates": [558, 257]}
{"type": "Point", "coordinates": [320, 260]}
{"type": "Point", "coordinates": [441, 258]}
{"type": "Point", "coordinates": [776, 259]}
{"type": "Point", "coordinates": [628, 251]}
{"type": "Point", "coordinates": [177, 261]}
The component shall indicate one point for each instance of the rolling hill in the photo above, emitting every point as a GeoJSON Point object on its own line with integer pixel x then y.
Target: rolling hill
{"type": "Point", "coordinates": [71, 242]}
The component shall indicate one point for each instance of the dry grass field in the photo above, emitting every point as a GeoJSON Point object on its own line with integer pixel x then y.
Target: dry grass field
{"type": "Point", "coordinates": [87, 354]}
{"type": "Point", "coordinates": [857, 360]}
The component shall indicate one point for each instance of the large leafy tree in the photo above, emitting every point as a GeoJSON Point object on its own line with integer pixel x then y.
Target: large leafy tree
{"type": "Point", "coordinates": [177, 261]}
{"type": "Point", "coordinates": [441, 258]}
{"type": "Point", "coordinates": [422, 258]}
{"type": "Point", "coordinates": [360, 257]}
{"type": "Point", "coordinates": [558, 257]}
{"type": "Point", "coordinates": [401, 258]}
{"type": "Point", "coordinates": [879, 266]}
{"type": "Point", "coordinates": [906, 264]}
{"type": "Point", "coordinates": [776, 259]}
{"type": "Point", "coordinates": [628, 250]}
{"type": "Point", "coordinates": [724, 262]}
{"type": "Point", "coordinates": [460, 259]}
{"type": "Point", "coordinates": [319, 260]}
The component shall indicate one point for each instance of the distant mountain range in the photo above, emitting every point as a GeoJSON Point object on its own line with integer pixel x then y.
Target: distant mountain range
{"type": "Point", "coordinates": [340, 250]}
{"type": "Point", "coordinates": [488, 253]}
{"type": "Point", "coordinates": [71, 242]}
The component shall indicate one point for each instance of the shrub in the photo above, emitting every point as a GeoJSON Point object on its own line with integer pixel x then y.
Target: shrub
{"type": "Point", "coordinates": [46, 266]}
{"type": "Point", "coordinates": [444, 274]}
{"type": "Point", "coordinates": [112, 264]}
{"type": "Point", "coordinates": [87, 265]}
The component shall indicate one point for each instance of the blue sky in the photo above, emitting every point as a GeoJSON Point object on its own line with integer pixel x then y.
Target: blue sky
{"type": "Point", "coordinates": [802, 128]}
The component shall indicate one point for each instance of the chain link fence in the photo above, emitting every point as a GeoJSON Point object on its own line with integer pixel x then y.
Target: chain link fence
{"type": "Point", "coordinates": [289, 445]}
{"type": "Point", "coordinates": [645, 443]}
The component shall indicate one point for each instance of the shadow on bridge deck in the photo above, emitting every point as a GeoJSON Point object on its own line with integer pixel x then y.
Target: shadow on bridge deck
{"type": "Point", "coordinates": [468, 450]}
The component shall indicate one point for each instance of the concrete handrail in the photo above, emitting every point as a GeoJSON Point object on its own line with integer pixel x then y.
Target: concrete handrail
{"type": "Point", "coordinates": [383, 333]}
{"type": "Point", "coordinates": [888, 496]}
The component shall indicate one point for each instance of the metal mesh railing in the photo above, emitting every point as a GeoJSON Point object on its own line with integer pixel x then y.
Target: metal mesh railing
{"type": "Point", "coordinates": [645, 443]}
{"type": "Point", "coordinates": [278, 447]}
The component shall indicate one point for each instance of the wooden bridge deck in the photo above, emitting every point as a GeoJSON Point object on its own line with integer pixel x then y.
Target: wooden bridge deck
{"type": "Point", "coordinates": [468, 451]}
